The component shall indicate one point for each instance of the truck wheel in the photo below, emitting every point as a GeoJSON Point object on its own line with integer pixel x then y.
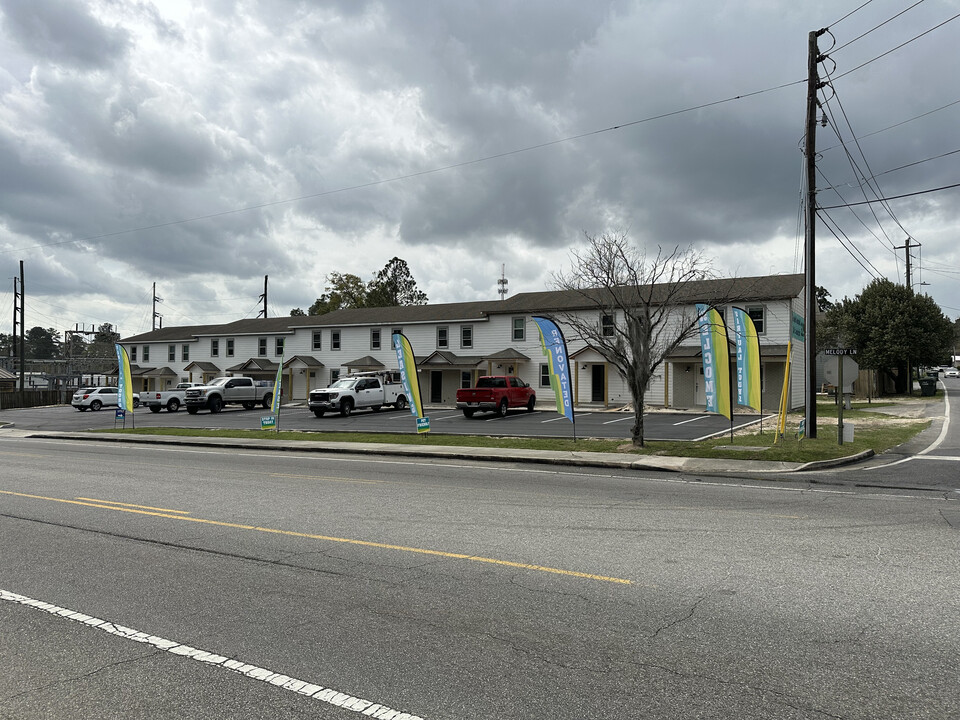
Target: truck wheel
{"type": "Point", "coordinates": [249, 405]}
{"type": "Point", "coordinates": [468, 413]}
{"type": "Point", "coordinates": [154, 408]}
{"type": "Point", "coordinates": [136, 403]}
{"type": "Point", "coordinates": [267, 400]}
{"type": "Point", "coordinates": [96, 405]}
{"type": "Point", "coordinates": [215, 404]}
{"type": "Point", "coordinates": [173, 405]}
{"type": "Point", "coordinates": [502, 408]}
{"type": "Point", "coordinates": [531, 403]}
{"type": "Point", "coordinates": [375, 408]}
{"type": "Point", "coordinates": [318, 412]}
{"type": "Point", "coordinates": [192, 410]}
{"type": "Point", "coordinates": [346, 407]}
{"type": "Point", "coordinates": [401, 403]}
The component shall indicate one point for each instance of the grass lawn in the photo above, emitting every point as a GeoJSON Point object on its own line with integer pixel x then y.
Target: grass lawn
{"type": "Point", "coordinates": [873, 430]}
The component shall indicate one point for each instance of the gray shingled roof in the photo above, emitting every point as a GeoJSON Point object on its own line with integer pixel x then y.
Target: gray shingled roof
{"type": "Point", "coordinates": [727, 290]}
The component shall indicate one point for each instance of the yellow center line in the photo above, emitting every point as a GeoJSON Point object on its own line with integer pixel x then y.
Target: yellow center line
{"type": "Point", "coordinates": [328, 538]}
{"type": "Point", "coordinates": [144, 507]}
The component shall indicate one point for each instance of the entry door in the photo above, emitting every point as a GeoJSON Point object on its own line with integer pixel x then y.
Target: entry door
{"type": "Point", "coordinates": [700, 392]}
{"type": "Point", "coordinates": [436, 386]}
{"type": "Point", "coordinates": [597, 382]}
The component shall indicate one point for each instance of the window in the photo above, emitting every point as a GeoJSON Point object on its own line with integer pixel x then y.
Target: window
{"type": "Point", "coordinates": [185, 353]}
{"type": "Point", "coordinates": [443, 338]}
{"type": "Point", "coordinates": [262, 347]}
{"type": "Point", "coordinates": [519, 328]}
{"type": "Point", "coordinates": [278, 346]}
{"type": "Point", "coordinates": [396, 331]}
{"type": "Point", "coordinates": [214, 348]}
{"type": "Point", "coordinates": [335, 341]}
{"type": "Point", "coordinates": [146, 353]}
{"type": "Point", "coordinates": [229, 347]}
{"type": "Point", "coordinates": [466, 336]}
{"type": "Point", "coordinates": [133, 354]}
{"type": "Point", "coordinates": [465, 378]}
{"type": "Point", "coordinates": [317, 336]}
{"type": "Point", "coordinates": [756, 314]}
{"type": "Point", "coordinates": [544, 375]}
{"type": "Point", "coordinates": [606, 325]}
{"type": "Point", "coordinates": [374, 338]}
{"type": "Point", "coordinates": [171, 353]}
{"type": "Point", "coordinates": [334, 376]}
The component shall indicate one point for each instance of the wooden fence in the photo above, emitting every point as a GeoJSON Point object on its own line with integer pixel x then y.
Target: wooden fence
{"type": "Point", "coordinates": [33, 398]}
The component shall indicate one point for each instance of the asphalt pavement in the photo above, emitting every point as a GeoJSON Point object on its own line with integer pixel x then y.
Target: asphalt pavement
{"type": "Point", "coordinates": [702, 466]}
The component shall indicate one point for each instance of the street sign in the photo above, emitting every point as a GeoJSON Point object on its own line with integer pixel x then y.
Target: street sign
{"type": "Point", "coordinates": [121, 414]}
{"type": "Point", "coordinates": [840, 351]}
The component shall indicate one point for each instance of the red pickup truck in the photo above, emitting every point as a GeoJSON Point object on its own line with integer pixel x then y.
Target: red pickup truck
{"type": "Point", "coordinates": [496, 393]}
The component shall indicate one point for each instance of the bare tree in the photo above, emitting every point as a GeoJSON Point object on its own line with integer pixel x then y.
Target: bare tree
{"type": "Point", "coordinates": [643, 306]}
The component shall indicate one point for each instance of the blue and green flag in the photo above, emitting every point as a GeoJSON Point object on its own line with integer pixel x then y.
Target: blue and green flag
{"type": "Point", "coordinates": [716, 360]}
{"type": "Point", "coordinates": [408, 375]}
{"type": "Point", "coordinates": [554, 347]}
{"type": "Point", "coordinates": [748, 360]}
{"type": "Point", "coordinates": [124, 383]}
{"type": "Point", "coordinates": [277, 388]}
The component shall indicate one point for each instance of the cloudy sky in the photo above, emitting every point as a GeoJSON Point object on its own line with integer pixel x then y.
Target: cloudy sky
{"type": "Point", "coordinates": [203, 144]}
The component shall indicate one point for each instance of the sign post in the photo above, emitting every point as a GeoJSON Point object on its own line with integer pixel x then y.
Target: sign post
{"type": "Point", "coordinates": [841, 361]}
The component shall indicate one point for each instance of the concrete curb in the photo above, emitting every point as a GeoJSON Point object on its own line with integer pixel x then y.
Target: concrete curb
{"type": "Point", "coordinates": [542, 457]}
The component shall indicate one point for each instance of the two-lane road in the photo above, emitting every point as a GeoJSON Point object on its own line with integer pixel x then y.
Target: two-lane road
{"type": "Point", "coordinates": [279, 585]}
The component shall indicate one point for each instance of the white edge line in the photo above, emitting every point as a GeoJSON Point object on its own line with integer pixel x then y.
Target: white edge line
{"type": "Point", "coordinates": [935, 444]}
{"type": "Point", "coordinates": [299, 687]}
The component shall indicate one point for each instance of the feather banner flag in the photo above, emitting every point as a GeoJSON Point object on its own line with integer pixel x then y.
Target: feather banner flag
{"type": "Point", "coordinates": [407, 363]}
{"type": "Point", "coordinates": [124, 383]}
{"type": "Point", "coordinates": [277, 388]}
{"type": "Point", "coordinates": [748, 360]}
{"type": "Point", "coordinates": [554, 347]}
{"type": "Point", "coordinates": [716, 360]}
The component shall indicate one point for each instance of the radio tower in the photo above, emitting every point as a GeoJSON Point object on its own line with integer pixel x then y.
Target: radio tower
{"type": "Point", "coordinates": [502, 282]}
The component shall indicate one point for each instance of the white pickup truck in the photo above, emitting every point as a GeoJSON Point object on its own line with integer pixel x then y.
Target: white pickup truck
{"type": "Point", "coordinates": [222, 391]}
{"type": "Point", "coordinates": [364, 390]}
{"type": "Point", "coordinates": [156, 400]}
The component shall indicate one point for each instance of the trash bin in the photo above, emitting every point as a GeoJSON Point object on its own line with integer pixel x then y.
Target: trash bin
{"type": "Point", "coordinates": [928, 386]}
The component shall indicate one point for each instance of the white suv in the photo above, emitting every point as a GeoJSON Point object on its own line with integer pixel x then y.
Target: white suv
{"type": "Point", "coordinates": [97, 397]}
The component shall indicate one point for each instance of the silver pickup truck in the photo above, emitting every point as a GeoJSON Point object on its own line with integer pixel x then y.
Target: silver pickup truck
{"type": "Point", "coordinates": [226, 391]}
{"type": "Point", "coordinates": [172, 400]}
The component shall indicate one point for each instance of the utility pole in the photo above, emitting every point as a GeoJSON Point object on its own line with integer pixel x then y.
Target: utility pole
{"type": "Point", "coordinates": [264, 298]}
{"type": "Point", "coordinates": [23, 337]}
{"type": "Point", "coordinates": [810, 153]}
{"type": "Point", "coordinates": [155, 313]}
{"type": "Point", "coordinates": [907, 247]}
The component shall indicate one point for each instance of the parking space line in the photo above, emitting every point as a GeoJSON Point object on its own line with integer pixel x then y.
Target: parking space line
{"type": "Point", "coordinates": [611, 422]}
{"type": "Point", "coordinates": [684, 422]}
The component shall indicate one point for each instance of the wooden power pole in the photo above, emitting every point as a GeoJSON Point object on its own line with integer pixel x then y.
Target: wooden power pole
{"type": "Point", "coordinates": [810, 153]}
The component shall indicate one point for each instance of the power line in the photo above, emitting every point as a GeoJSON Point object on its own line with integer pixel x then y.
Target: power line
{"type": "Point", "coordinates": [890, 197]}
{"type": "Point", "coordinates": [926, 32]}
{"type": "Point", "coordinates": [409, 176]}
{"type": "Point", "coordinates": [850, 13]}
{"type": "Point", "coordinates": [896, 125]}
{"type": "Point", "coordinates": [859, 37]}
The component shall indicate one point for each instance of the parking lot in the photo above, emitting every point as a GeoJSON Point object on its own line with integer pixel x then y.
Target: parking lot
{"type": "Point", "coordinates": [449, 421]}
